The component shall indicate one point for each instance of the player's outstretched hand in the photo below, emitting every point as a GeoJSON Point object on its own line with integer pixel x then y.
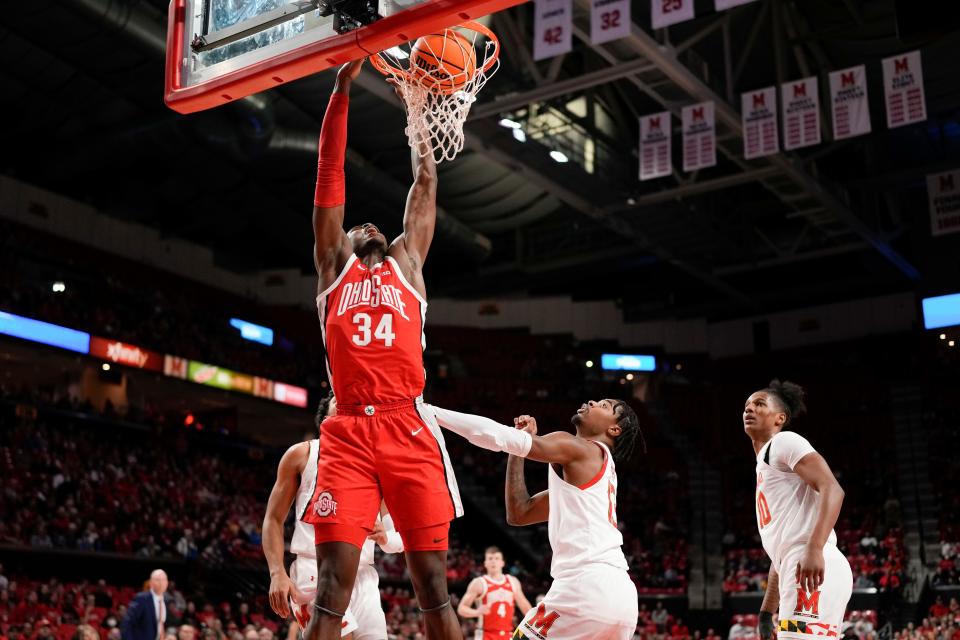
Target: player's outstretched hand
{"type": "Point", "coordinates": [378, 534]}
{"type": "Point", "coordinates": [526, 423]}
{"type": "Point", "coordinates": [281, 590]}
{"type": "Point", "coordinates": [350, 71]}
{"type": "Point", "coordinates": [810, 570]}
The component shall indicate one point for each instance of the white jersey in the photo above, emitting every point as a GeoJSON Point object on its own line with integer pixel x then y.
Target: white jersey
{"type": "Point", "coordinates": [583, 521]}
{"type": "Point", "coordinates": [304, 543]}
{"type": "Point", "coordinates": [787, 507]}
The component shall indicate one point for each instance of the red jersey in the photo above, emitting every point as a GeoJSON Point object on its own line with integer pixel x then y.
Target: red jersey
{"type": "Point", "coordinates": [372, 321]}
{"type": "Point", "coordinates": [499, 597]}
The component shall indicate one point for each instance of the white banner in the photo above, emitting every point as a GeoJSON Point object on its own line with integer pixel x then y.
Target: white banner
{"type": "Point", "coordinates": [729, 4]}
{"type": "Point", "coordinates": [759, 114]}
{"type": "Point", "coordinates": [655, 160]}
{"type": "Point", "coordinates": [667, 12]}
{"type": "Point", "coordinates": [943, 190]}
{"type": "Point", "coordinates": [699, 136]}
{"type": "Point", "coordinates": [903, 89]}
{"type": "Point", "coordinates": [552, 28]}
{"type": "Point", "coordinates": [800, 111]}
{"type": "Point", "coordinates": [609, 20]}
{"type": "Point", "coordinates": [849, 106]}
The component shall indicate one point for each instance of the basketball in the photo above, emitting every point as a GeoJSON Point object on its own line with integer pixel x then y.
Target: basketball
{"type": "Point", "coordinates": [444, 62]}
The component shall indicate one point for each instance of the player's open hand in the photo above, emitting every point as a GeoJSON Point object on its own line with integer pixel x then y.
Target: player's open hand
{"type": "Point", "coordinates": [810, 569]}
{"type": "Point", "coordinates": [281, 590]}
{"type": "Point", "coordinates": [378, 534]}
{"type": "Point", "coordinates": [526, 423]}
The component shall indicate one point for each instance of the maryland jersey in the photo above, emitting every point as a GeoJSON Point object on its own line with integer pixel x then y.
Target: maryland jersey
{"type": "Point", "coordinates": [372, 321]}
{"type": "Point", "coordinates": [583, 521]}
{"type": "Point", "coordinates": [303, 538]}
{"type": "Point", "coordinates": [787, 506]}
{"type": "Point", "coordinates": [500, 598]}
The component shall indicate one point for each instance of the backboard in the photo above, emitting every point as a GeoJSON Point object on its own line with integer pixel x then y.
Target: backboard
{"type": "Point", "coordinates": [222, 50]}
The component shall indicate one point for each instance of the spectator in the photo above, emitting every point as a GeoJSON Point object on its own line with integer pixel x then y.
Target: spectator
{"type": "Point", "coordinates": [186, 632]}
{"type": "Point", "coordinates": [85, 632]}
{"type": "Point", "coordinates": [265, 634]}
{"type": "Point", "coordinates": [147, 613]}
{"type": "Point", "coordinates": [659, 617]}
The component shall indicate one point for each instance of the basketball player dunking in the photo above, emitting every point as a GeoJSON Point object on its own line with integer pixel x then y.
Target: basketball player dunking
{"type": "Point", "coordinates": [497, 594]}
{"type": "Point", "coordinates": [371, 301]}
{"type": "Point", "coordinates": [296, 480]}
{"type": "Point", "coordinates": [798, 502]}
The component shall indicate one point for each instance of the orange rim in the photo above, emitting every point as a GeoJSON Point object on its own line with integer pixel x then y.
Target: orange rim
{"type": "Point", "coordinates": [388, 69]}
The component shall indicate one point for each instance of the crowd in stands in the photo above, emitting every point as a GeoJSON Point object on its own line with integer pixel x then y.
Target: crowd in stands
{"type": "Point", "coordinates": [941, 423]}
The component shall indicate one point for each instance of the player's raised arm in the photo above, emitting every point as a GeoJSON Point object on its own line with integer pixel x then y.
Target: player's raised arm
{"type": "Point", "coordinates": [522, 508]}
{"type": "Point", "coordinates": [331, 248]}
{"type": "Point", "coordinates": [559, 447]}
{"type": "Point", "coordinates": [278, 506]}
{"type": "Point", "coordinates": [419, 216]}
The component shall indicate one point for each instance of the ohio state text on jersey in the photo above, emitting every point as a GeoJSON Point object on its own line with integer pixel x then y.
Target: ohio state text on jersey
{"type": "Point", "coordinates": [372, 321]}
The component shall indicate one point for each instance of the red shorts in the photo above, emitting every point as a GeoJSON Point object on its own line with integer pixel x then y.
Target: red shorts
{"type": "Point", "coordinates": [389, 452]}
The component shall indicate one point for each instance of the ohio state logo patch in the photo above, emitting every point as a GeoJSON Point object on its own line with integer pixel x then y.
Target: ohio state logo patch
{"type": "Point", "coordinates": [325, 504]}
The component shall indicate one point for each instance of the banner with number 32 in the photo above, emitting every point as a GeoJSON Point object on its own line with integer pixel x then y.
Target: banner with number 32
{"type": "Point", "coordinates": [609, 20]}
{"type": "Point", "coordinates": [552, 28]}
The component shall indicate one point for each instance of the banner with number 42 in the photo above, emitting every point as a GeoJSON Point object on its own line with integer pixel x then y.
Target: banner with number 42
{"type": "Point", "coordinates": [552, 28]}
{"type": "Point", "coordinates": [609, 20]}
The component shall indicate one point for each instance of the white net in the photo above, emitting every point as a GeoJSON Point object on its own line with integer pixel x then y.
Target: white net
{"type": "Point", "coordinates": [438, 103]}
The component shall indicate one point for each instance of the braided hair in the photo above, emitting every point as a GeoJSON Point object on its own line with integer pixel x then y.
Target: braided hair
{"type": "Point", "coordinates": [629, 425]}
{"type": "Point", "coordinates": [791, 397]}
{"type": "Point", "coordinates": [322, 408]}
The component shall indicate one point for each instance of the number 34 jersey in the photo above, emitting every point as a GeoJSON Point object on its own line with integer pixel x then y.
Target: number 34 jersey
{"type": "Point", "coordinates": [372, 321]}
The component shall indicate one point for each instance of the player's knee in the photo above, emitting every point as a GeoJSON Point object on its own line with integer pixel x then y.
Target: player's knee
{"type": "Point", "coordinates": [432, 589]}
{"type": "Point", "coordinates": [333, 588]}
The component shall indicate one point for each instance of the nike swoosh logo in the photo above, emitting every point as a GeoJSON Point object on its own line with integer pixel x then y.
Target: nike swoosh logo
{"type": "Point", "coordinates": [413, 433]}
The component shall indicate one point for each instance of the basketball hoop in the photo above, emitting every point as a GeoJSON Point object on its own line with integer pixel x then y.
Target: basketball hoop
{"type": "Point", "coordinates": [437, 101]}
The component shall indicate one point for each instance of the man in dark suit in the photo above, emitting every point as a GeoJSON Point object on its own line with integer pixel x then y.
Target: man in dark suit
{"type": "Point", "coordinates": [147, 615]}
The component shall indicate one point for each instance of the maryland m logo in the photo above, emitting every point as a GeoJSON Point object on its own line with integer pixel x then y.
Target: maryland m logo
{"type": "Point", "coordinates": [900, 65]}
{"type": "Point", "coordinates": [847, 79]}
{"type": "Point", "coordinates": [542, 621]}
{"type": "Point", "coordinates": [807, 604]}
{"type": "Point", "coordinates": [759, 100]}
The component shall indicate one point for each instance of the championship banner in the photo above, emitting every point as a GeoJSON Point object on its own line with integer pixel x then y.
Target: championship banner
{"type": "Point", "coordinates": [759, 116]}
{"type": "Point", "coordinates": [849, 106]}
{"type": "Point", "coordinates": [655, 160]}
{"type": "Point", "coordinates": [723, 5]}
{"type": "Point", "coordinates": [800, 110]}
{"type": "Point", "coordinates": [903, 90]}
{"type": "Point", "coordinates": [126, 354]}
{"type": "Point", "coordinates": [552, 28]}
{"type": "Point", "coordinates": [943, 189]}
{"type": "Point", "coordinates": [666, 12]}
{"type": "Point", "coordinates": [699, 136]}
{"type": "Point", "coordinates": [609, 20]}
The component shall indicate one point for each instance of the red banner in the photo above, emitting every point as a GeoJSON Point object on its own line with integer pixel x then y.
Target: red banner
{"type": "Point", "coordinates": [129, 355]}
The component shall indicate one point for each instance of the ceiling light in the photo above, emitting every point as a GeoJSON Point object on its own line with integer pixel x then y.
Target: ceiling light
{"type": "Point", "coordinates": [559, 156]}
{"type": "Point", "coordinates": [589, 364]}
{"type": "Point", "coordinates": [509, 124]}
{"type": "Point", "coordinates": [519, 135]}
{"type": "Point", "coordinates": [943, 336]}
{"type": "Point", "coordinates": [629, 376]}
{"type": "Point", "coordinates": [106, 367]}
{"type": "Point", "coordinates": [631, 201]}
{"type": "Point", "coordinates": [951, 343]}
{"type": "Point", "coordinates": [59, 287]}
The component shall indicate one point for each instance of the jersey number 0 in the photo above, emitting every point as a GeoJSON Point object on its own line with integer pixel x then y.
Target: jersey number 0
{"type": "Point", "coordinates": [383, 332]}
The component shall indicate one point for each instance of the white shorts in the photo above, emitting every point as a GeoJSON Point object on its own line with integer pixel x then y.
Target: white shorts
{"type": "Point", "coordinates": [597, 603]}
{"type": "Point", "coordinates": [804, 615]}
{"type": "Point", "coordinates": [366, 607]}
{"type": "Point", "coordinates": [303, 572]}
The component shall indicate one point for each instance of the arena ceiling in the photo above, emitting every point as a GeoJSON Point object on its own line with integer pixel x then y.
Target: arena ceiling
{"type": "Point", "coordinates": [82, 96]}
